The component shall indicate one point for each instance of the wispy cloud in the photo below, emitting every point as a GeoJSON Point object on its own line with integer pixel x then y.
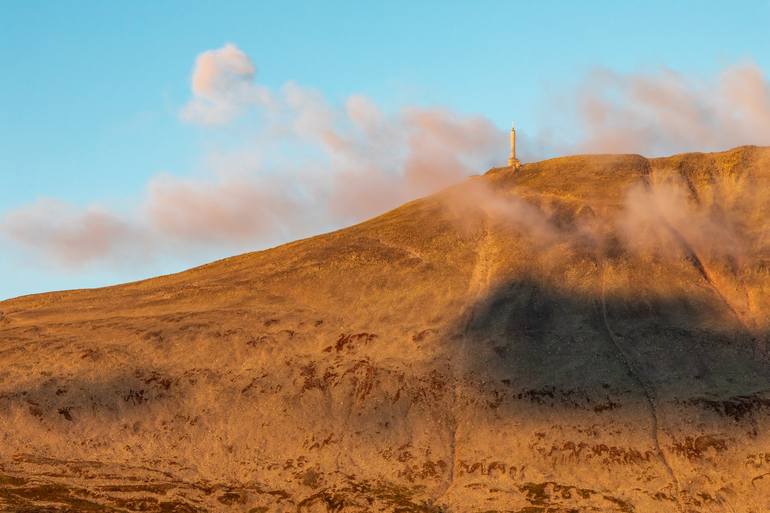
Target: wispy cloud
{"type": "Point", "coordinates": [666, 112]}
{"type": "Point", "coordinates": [315, 165]}
{"type": "Point", "coordinates": [222, 86]}
{"type": "Point", "coordinates": [65, 234]}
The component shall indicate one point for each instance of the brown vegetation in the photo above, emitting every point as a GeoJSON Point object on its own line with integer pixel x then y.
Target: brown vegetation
{"type": "Point", "coordinates": [587, 334]}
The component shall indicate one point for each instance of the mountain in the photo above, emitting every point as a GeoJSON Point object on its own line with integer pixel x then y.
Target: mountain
{"type": "Point", "coordinates": [587, 333]}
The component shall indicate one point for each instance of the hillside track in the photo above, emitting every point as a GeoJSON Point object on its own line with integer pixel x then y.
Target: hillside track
{"type": "Point", "coordinates": [650, 397]}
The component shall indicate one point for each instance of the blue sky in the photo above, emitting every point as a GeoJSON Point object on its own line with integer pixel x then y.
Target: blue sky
{"type": "Point", "coordinates": [90, 92]}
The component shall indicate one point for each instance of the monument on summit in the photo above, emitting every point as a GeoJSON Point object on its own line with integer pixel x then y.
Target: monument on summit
{"type": "Point", "coordinates": [513, 162]}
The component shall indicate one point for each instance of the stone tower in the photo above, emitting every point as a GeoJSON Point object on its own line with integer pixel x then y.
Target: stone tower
{"type": "Point", "coordinates": [513, 162]}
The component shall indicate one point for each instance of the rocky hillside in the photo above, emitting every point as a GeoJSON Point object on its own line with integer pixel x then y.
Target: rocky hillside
{"type": "Point", "coordinates": [588, 333]}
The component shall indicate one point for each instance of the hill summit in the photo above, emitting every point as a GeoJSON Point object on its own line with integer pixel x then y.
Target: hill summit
{"type": "Point", "coordinates": [588, 333]}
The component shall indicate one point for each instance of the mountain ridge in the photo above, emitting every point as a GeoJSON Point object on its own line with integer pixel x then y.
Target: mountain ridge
{"type": "Point", "coordinates": [503, 172]}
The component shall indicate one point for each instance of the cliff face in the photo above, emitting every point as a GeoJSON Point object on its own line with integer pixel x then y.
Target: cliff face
{"type": "Point", "coordinates": [588, 334]}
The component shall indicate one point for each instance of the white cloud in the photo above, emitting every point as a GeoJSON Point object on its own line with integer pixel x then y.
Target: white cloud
{"type": "Point", "coordinates": [222, 86]}
{"type": "Point", "coordinates": [72, 236]}
{"type": "Point", "coordinates": [314, 166]}
{"type": "Point", "coordinates": [667, 112]}
{"type": "Point", "coordinates": [317, 165]}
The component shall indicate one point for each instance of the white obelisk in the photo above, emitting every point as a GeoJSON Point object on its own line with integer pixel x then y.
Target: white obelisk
{"type": "Point", "coordinates": [513, 162]}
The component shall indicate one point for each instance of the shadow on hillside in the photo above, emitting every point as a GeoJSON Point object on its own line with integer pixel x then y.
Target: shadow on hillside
{"type": "Point", "coordinates": [526, 347]}
{"type": "Point", "coordinates": [563, 348]}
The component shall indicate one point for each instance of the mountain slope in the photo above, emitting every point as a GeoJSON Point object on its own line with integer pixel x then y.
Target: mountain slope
{"type": "Point", "coordinates": [587, 334]}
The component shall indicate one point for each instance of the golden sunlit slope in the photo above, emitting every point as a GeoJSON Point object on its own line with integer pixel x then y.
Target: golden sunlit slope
{"type": "Point", "coordinates": [586, 334]}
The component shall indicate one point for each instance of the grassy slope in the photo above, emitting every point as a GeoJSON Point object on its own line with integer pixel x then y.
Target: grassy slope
{"type": "Point", "coordinates": [451, 352]}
